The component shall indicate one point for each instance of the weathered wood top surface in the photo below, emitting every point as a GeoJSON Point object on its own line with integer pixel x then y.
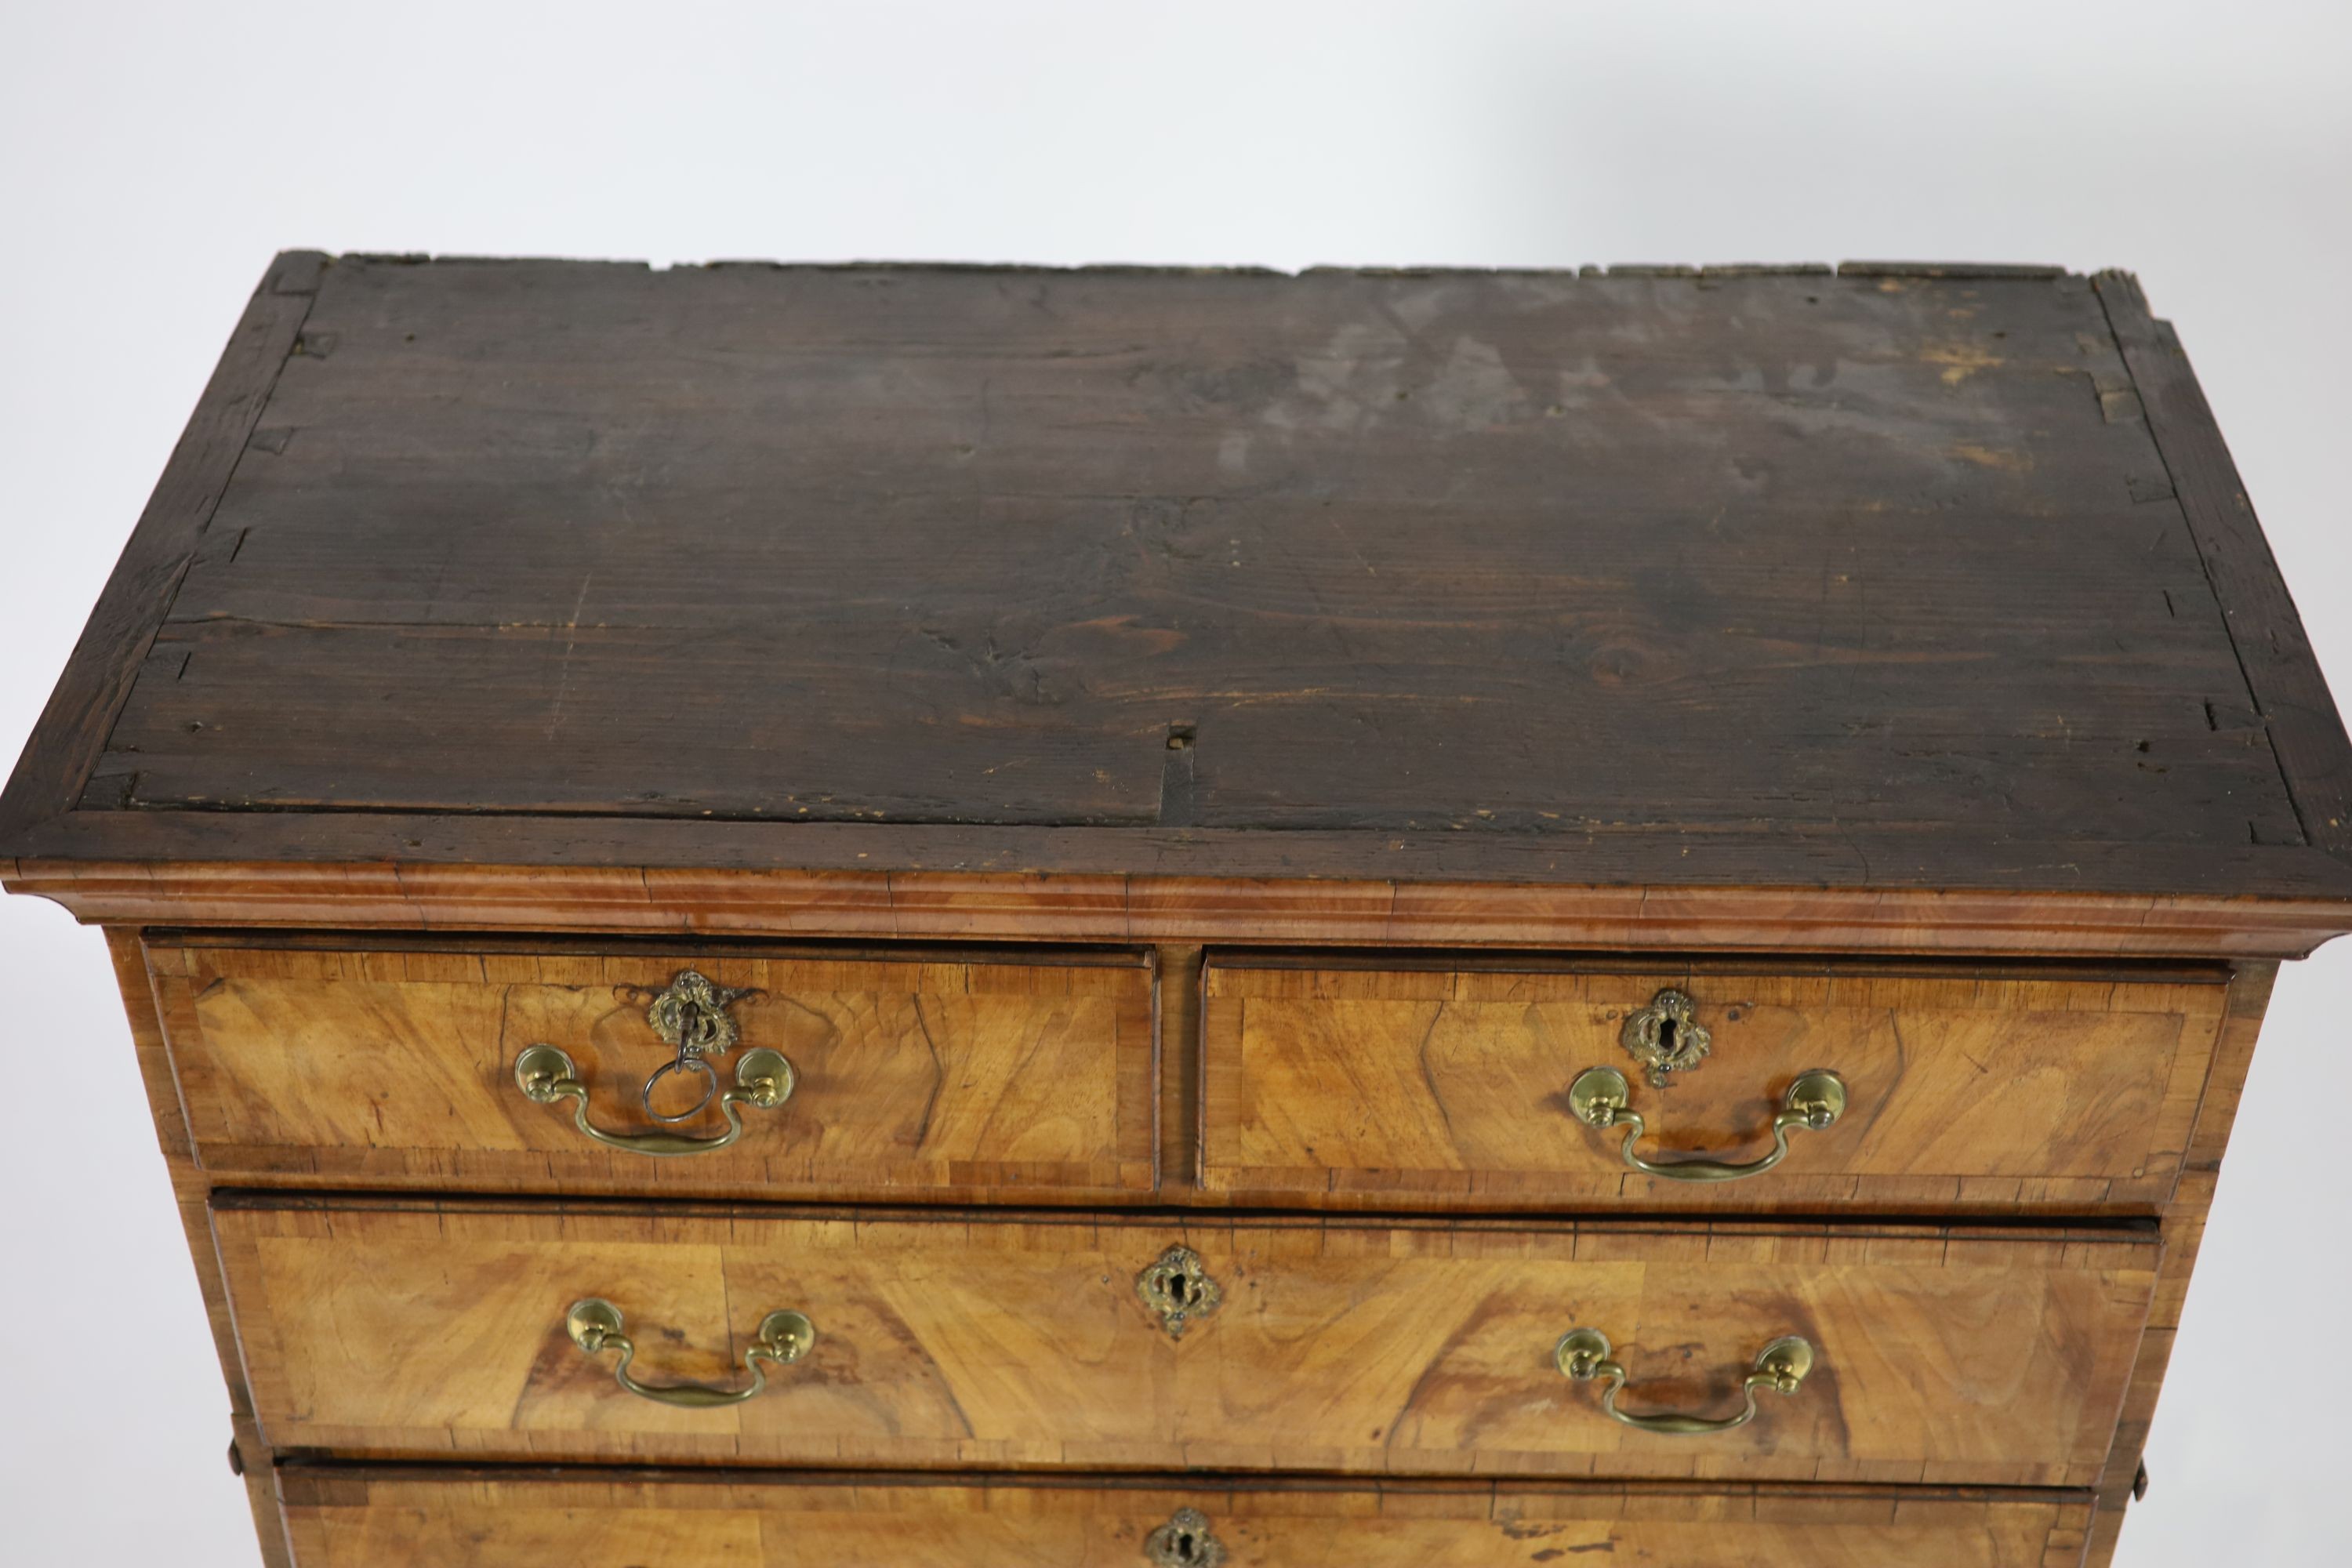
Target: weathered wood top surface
{"type": "Point", "coordinates": [1889, 578]}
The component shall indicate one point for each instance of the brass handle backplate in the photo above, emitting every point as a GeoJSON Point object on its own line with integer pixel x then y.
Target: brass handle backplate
{"type": "Point", "coordinates": [783, 1338]}
{"type": "Point", "coordinates": [1582, 1355]}
{"type": "Point", "coordinates": [763, 1080]}
{"type": "Point", "coordinates": [1597, 1098]}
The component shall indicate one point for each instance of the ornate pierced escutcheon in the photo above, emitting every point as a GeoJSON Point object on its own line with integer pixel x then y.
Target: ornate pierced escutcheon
{"type": "Point", "coordinates": [1177, 1290]}
{"type": "Point", "coordinates": [691, 1015]}
{"type": "Point", "coordinates": [1665, 1037]}
{"type": "Point", "coordinates": [1184, 1542]}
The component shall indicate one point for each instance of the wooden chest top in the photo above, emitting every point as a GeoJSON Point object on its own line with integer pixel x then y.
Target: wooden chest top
{"type": "Point", "coordinates": [1882, 580]}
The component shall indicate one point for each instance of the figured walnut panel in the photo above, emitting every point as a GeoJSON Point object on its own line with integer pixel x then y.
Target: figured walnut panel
{"type": "Point", "coordinates": [1350, 1086]}
{"type": "Point", "coordinates": [493, 1520]}
{"type": "Point", "coordinates": [1993, 1358]}
{"type": "Point", "coordinates": [394, 1067]}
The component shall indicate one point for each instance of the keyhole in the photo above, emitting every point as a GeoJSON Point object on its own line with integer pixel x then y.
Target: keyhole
{"type": "Point", "coordinates": [1666, 1035]}
{"type": "Point", "coordinates": [1177, 1287]}
{"type": "Point", "coordinates": [1184, 1545]}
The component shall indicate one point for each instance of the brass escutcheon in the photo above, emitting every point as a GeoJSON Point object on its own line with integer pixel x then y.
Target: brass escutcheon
{"type": "Point", "coordinates": [1177, 1290]}
{"type": "Point", "coordinates": [690, 1015]}
{"type": "Point", "coordinates": [1665, 1037]}
{"type": "Point", "coordinates": [1184, 1542]}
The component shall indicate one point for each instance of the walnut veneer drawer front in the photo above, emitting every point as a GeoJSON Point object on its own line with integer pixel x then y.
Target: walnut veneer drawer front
{"type": "Point", "coordinates": [384, 1519]}
{"type": "Point", "coordinates": [408, 1066]}
{"type": "Point", "coordinates": [1521, 1085]}
{"type": "Point", "coordinates": [1947, 1356]}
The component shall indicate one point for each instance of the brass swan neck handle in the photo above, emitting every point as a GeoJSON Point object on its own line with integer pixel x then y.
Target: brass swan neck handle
{"type": "Point", "coordinates": [1583, 1356]}
{"type": "Point", "coordinates": [596, 1326]}
{"type": "Point", "coordinates": [763, 1080]}
{"type": "Point", "coordinates": [1598, 1098]}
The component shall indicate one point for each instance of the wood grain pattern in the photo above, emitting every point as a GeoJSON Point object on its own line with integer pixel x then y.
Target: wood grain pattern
{"type": "Point", "coordinates": [933, 904]}
{"type": "Point", "coordinates": [379, 1519]}
{"type": "Point", "coordinates": [1993, 1357]}
{"type": "Point", "coordinates": [2183, 1230]}
{"type": "Point", "coordinates": [1369, 1084]}
{"type": "Point", "coordinates": [393, 1066]}
{"type": "Point", "coordinates": [963, 548]}
{"type": "Point", "coordinates": [2298, 716]}
{"type": "Point", "coordinates": [68, 740]}
{"type": "Point", "coordinates": [190, 1194]}
{"type": "Point", "coordinates": [1146, 500]}
{"type": "Point", "coordinates": [1179, 996]}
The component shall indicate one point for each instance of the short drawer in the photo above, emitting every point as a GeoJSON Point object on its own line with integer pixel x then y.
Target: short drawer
{"type": "Point", "coordinates": [379, 1328]}
{"type": "Point", "coordinates": [1526, 1084]}
{"type": "Point", "coordinates": [970, 1073]}
{"type": "Point", "coordinates": [361, 1518]}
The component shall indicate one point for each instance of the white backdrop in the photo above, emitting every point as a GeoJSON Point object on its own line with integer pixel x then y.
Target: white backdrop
{"type": "Point", "coordinates": [152, 156]}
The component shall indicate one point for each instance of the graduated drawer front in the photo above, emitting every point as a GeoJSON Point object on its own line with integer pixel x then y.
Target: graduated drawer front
{"type": "Point", "coordinates": [390, 1520]}
{"type": "Point", "coordinates": [377, 1327]}
{"type": "Point", "coordinates": [1336, 1085]}
{"type": "Point", "coordinates": [937, 1075]}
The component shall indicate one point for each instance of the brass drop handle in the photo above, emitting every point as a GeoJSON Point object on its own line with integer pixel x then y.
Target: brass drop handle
{"type": "Point", "coordinates": [595, 1325]}
{"type": "Point", "coordinates": [763, 1080]}
{"type": "Point", "coordinates": [1582, 1355]}
{"type": "Point", "coordinates": [1599, 1096]}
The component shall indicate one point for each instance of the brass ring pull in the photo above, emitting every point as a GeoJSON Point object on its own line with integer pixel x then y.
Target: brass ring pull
{"type": "Point", "coordinates": [763, 1080]}
{"type": "Point", "coordinates": [1597, 1098]}
{"type": "Point", "coordinates": [683, 1064]}
{"type": "Point", "coordinates": [595, 1325]}
{"type": "Point", "coordinates": [1582, 1355]}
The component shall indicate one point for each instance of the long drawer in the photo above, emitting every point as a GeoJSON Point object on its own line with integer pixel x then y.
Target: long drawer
{"type": "Point", "coordinates": [392, 1519]}
{"type": "Point", "coordinates": [973, 1073]}
{"type": "Point", "coordinates": [1527, 1083]}
{"type": "Point", "coordinates": [379, 1327]}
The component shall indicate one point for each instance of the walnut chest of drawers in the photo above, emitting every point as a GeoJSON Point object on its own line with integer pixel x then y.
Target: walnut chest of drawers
{"type": "Point", "coordinates": [832, 916]}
